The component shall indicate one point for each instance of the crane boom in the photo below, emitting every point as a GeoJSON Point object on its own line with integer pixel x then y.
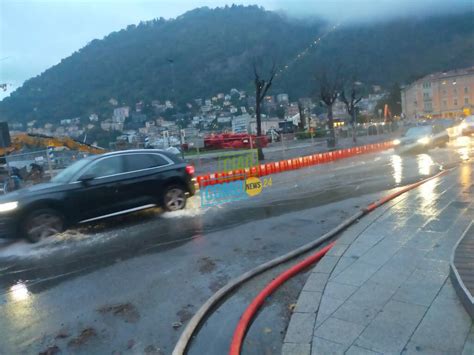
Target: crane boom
{"type": "Point", "coordinates": [21, 140]}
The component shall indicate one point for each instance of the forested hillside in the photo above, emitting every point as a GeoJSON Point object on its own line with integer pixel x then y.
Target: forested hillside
{"type": "Point", "coordinates": [206, 51]}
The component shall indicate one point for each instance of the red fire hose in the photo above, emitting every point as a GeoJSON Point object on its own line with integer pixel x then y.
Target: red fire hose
{"type": "Point", "coordinates": [252, 309]}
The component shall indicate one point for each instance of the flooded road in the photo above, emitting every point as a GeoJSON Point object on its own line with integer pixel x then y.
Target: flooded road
{"type": "Point", "coordinates": [130, 284]}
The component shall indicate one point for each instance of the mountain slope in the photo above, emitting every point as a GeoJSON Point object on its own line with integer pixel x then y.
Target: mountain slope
{"type": "Point", "coordinates": [213, 50]}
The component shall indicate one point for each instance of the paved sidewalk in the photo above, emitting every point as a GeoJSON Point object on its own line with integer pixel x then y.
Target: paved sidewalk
{"type": "Point", "coordinates": [385, 286]}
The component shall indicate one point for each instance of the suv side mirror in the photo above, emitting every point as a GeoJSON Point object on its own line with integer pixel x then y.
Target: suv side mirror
{"type": "Point", "coordinates": [86, 178]}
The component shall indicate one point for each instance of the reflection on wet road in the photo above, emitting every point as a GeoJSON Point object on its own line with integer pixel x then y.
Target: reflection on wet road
{"type": "Point", "coordinates": [166, 265]}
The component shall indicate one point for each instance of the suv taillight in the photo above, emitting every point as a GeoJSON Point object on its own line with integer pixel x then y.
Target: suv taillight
{"type": "Point", "coordinates": [190, 169]}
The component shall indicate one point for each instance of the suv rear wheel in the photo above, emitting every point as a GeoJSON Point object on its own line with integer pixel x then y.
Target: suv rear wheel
{"type": "Point", "coordinates": [174, 198]}
{"type": "Point", "coordinates": [41, 224]}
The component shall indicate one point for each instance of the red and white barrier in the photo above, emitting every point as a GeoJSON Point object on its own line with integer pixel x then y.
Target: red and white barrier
{"type": "Point", "coordinates": [290, 164]}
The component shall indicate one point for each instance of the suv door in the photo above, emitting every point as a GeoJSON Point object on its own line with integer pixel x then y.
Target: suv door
{"type": "Point", "coordinates": [99, 196]}
{"type": "Point", "coordinates": [143, 182]}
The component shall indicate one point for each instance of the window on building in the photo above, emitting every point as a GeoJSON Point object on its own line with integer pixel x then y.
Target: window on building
{"type": "Point", "coordinates": [466, 101]}
{"type": "Point", "coordinates": [444, 92]}
{"type": "Point", "coordinates": [455, 102]}
{"type": "Point", "coordinates": [445, 104]}
{"type": "Point", "coordinates": [466, 90]}
{"type": "Point", "coordinates": [455, 91]}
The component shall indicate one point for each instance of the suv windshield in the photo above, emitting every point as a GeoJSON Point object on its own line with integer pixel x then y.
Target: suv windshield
{"type": "Point", "coordinates": [66, 175]}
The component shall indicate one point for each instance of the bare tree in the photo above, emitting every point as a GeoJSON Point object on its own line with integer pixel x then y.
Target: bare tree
{"type": "Point", "coordinates": [329, 88]}
{"type": "Point", "coordinates": [351, 97]}
{"type": "Point", "coordinates": [301, 110]}
{"type": "Point", "coordinates": [261, 88]}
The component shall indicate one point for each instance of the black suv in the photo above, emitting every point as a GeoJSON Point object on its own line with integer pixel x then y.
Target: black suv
{"type": "Point", "coordinates": [97, 187]}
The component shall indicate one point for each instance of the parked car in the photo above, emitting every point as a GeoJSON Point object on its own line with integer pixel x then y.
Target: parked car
{"type": "Point", "coordinates": [467, 125]}
{"type": "Point", "coordinates": [94, 188]}
{"type": "Point", "coordinates": [422, 138]}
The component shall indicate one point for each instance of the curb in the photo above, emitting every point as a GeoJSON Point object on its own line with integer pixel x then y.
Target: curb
{"type": "Point", "coordinates": [461, 290]}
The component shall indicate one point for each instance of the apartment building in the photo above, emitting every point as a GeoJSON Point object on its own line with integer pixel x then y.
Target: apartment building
{"type": "Point", "coordinates": [443, 94]}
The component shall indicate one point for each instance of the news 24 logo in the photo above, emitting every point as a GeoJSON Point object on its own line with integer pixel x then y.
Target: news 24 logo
{"type": "Point", "coordinates": [213, 195]}
{"type": "Point", "coordinates": [220, 193]}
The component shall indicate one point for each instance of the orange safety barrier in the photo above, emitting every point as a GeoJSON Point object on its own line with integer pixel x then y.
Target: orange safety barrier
{"type": "Point", "coordinates": [289, 164]}
{"type": "Point", "coordinates": [280, 166]}
{"type": "Point", "coordinates": [276, 165]}
{"type": "Point", "coordinates": [199, 180]}
{"type": "Point", "coordinates": [294, 163]}
{"type": "Point", "coordinates": [223, 177]}
{"type": "Point", "coordinates": [272, 166]}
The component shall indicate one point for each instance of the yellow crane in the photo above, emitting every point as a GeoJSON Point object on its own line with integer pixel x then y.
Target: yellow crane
{"type": "Point", "coordinates": [22, 140]}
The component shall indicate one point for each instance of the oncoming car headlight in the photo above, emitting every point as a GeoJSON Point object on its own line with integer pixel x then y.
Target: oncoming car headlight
{"type": "Point", "coordinates": [8, 206]}
{"type": "Point", "coordinates": [396, 142]}
{"type": "Point", "coordinates": [424, 140]}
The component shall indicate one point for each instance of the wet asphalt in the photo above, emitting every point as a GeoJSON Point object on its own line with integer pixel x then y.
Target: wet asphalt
{"type": "Point", "coordinates": [129, 285]}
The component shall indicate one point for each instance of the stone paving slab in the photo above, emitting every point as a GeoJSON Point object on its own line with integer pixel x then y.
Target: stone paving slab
{"type": "Point", "coordinates": [384, 288]}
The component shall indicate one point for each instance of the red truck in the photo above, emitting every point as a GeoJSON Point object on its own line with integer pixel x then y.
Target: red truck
{"type": "Point", "coordinates": [234, 141]}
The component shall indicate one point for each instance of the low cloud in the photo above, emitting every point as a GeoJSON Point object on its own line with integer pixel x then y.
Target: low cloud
{"type": "Point", "coordinates": [371, 10]}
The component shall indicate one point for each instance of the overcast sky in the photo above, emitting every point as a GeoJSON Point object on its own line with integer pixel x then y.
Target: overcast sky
{"type": "Point", "coordinates": [36, 34]}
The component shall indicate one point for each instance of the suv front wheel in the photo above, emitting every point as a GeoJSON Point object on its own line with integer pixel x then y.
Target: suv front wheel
{"type": "Point", "coordinates": [41, 224]}
{"type": "Point", "coordinates": [174, 198]}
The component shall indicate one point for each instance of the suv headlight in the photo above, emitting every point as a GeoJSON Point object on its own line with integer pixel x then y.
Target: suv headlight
{"type": "Point", "coordinates": [8, 206]}
{"type": "Point", "coordinates": [396, 141]}
{"type": "Point", "coordinates": [424, 140]}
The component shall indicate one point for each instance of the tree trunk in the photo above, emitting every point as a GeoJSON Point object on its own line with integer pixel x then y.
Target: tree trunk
{"type": "Point", "coordinates": [332, 134]}
{"type": "Point", "coordinates": [302, 122]}
{"type": "Point", "coordinates": [259, 126]}
{"type": "Point", "coordinates": [354, 123]}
